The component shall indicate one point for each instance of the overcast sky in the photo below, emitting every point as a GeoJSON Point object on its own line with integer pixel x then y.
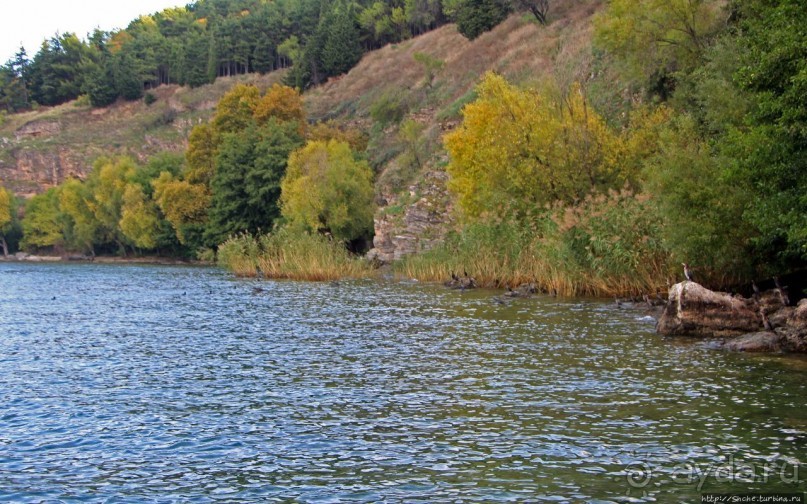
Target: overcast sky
{"type": "Point", "coordinates": [29, 22]}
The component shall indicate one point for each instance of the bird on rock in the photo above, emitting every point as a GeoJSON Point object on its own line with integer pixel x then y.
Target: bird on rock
{"type": "Point", "coordinates": [688, 272]}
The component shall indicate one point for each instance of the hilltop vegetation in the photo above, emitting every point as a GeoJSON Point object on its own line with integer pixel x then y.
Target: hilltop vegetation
{"type": "Point", "coordinates": [194, 45]}
{"type": "Point", "coordinates": [591, 154]}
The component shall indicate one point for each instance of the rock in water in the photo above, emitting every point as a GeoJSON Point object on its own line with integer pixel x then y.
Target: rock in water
{"type": "Point", "coordinates": [694, 310]}
{"type": "Point", "coordinates": [763, 341]}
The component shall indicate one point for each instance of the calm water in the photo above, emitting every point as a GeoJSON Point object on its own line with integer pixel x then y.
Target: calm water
{"type": "Point", "coordinates": [144, 383]}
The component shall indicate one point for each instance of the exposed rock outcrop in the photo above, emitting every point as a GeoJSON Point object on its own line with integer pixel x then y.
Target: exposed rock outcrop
{"type": "Point", "coordinates": [759, 324]}
{"type": "Point", "coordinates": [795, 331]}
{"type": "Point", "coordinates": [37, 129]}
{"type": "Point", "coordinates": [694, 310]}
{"type": "Point", "coordinates": [415, 222]}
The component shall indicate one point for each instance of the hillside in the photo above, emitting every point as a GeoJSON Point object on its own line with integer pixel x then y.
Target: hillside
{"type": "Point", "coordinates": [42, 148]}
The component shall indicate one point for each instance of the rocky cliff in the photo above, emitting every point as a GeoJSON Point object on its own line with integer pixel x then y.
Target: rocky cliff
{"type": "Point", "coordinates": [414, 221]}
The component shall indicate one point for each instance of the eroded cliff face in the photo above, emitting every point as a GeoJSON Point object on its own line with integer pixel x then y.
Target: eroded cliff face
{"type": "Point", "coordinates": [41, 149]}
{"type": "Point", "coordinates": [28, 171]}
{"type": "Point", "coordinates": [38, 156]}
{"type": "Point", "coordinates": [415, 221]}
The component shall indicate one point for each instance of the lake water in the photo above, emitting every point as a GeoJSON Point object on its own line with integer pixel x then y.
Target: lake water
{"type": "Point", "coordinates": [152, 383]}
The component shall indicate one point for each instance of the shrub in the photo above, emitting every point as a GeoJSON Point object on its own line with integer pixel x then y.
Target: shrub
{"type": "Point", "coordinates": [389, 108]}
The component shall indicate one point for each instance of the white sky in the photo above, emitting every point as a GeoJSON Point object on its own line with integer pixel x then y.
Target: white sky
{"type": "Point", "coordinates": [29, 22]}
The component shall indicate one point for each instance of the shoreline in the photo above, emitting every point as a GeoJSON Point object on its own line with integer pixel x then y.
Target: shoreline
{"type": "Point", "coordinates": [22, 257]}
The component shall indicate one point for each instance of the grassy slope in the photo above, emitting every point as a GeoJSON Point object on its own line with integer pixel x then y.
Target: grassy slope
{"type": "Point", "coordinates": [518, 48]}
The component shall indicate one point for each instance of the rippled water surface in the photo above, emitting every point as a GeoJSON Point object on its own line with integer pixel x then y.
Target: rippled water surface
{"type": "Point", "coordinates": [143, 383]}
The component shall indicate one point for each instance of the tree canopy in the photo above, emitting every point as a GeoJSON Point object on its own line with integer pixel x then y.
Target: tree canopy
{"type": "Point", "coordinates": [328, 190]}
{"type": "Point", "coordinates": [206, 39]}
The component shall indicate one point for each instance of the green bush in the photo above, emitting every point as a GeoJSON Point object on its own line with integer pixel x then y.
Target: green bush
{"type": "Point", "coordinates": [389, 108]}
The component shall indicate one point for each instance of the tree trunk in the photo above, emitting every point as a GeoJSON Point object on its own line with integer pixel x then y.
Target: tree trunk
{"type": "Point", "coordinates": [5, 246]}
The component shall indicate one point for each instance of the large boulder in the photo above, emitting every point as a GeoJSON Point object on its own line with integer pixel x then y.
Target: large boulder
{"type": "Point", "coordinates": [694, 310]}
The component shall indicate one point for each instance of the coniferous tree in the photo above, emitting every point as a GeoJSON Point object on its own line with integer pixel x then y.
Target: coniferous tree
{"type": "Point", "coordinates": [475, 17]}
{"type": "Point", "coordinates": [341, 49]}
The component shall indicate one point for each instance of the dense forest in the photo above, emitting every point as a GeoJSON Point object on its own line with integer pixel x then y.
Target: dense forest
{"type": "Point", "coordinates": [685, 144]}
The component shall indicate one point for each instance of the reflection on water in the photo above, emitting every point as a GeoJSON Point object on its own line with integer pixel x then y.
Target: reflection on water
{"type": "Point", "coordinates": [145, 382]}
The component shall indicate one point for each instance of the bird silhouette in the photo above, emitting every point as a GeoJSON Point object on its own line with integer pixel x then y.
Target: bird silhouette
{"type": "Point", "coordinates": [688, 272]}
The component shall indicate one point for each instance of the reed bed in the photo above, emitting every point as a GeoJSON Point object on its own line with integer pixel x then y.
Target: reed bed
{"type": "Point", "coordinates": [605, 247]}
{"type": "Point", "coordinates": [291, 255]}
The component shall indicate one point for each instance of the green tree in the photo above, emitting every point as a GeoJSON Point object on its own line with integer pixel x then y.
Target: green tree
{"type": "Point", "coordinates": [107, 184]}
{"type": "Point", "coordinates": [770, 149]}
{"type": "Point", "coordinates": [42, 226]}
{"type": "Point", "coordinates": [659, 38]}
{"type": "Point", "coordinates": [376, 24]}
{"type": "Point", "coordinates": [290, 49]}
{"type": "Point", "coordinates": [8, 209]}
{"type": "Point", "coordinates": [99, 77]}
{"type": "Point", "coordinates": [246, 186]}
{"type": "Point", "coordinates": [201, 154]}
{"type": "Point", "coordinates": [341, 49]}
{"type": "Point", "coordinates": [475, 17]}
{"type": "Point", "coordinates": [431, 66]}
{"type": "Point", "coordinates": [701, 209]}
{"type": "Point", "coordinates": [328, 190]}
{"type": "Point", "coordinates": [195, 58]}
{"type": "Point", "coordinates": [55, 72]}
{"type": "Point", "coordinates": [75, 201]}
{"type": "Point", "coordinates": [140, 220]}
{"type": "Point", "coordinates": [14, 76]}
{"type": "Point", "coordinates": [128, 81]}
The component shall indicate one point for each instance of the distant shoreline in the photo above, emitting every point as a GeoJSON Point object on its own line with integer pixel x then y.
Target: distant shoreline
{"type": "Point", "coordinates": [22, 257]}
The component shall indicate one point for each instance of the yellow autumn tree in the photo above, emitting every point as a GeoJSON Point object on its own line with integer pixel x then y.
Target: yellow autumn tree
{"type": "Point", "coordinates": [201, 154]}
{"type": "Point", "coordinates": [326, 189]}
{"type": "Point", "coordinates": [183, 203]}
{"type": "Point", "coordinates": [282, 102]}
{"type": "Point", "coordinates": [139, 221]}
{"type": "Point", "coordinates": [235, 109]}
{"type": "Point", "coordinates": [520, 149]}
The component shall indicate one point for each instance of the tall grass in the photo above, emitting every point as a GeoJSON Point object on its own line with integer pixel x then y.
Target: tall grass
{"type": "Point", "coordinates": [286, 253]}
{"type": "Point", "coordinates": [605, 246]}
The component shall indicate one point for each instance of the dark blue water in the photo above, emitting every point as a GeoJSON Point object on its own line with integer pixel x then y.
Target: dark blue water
{"type": "Point", "coordinates": [148, 383]}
